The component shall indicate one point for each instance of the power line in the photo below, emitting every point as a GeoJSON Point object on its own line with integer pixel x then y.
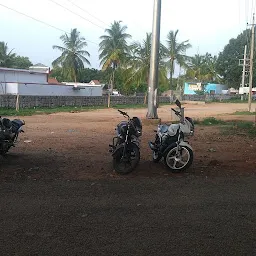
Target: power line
{"type": "Point", "coordinates": [40, 21]}
{"type": "Point", "coordinates": [75, 13]}
{"type": "Point", "coordinates": [87, 12]}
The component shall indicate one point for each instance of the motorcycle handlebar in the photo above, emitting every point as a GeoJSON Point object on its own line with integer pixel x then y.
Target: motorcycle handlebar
{"type": "Point", "coordinates": [123, 113]}
{"type": "Point", "coordinates": [176, 112]}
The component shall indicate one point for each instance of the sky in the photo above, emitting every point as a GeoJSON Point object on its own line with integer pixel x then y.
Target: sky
{"type": "Point", "coordinates": [208, 25]}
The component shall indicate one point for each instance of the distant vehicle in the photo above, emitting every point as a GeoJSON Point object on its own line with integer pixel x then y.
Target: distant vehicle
{"type": "Point", "coordinates": [116, 93]}
{"type": "Point", "coordinates": [254, 97]}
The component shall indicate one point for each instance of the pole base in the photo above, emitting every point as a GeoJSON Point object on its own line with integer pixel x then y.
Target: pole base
{"type": "Point", "coordinates": [150, 121]}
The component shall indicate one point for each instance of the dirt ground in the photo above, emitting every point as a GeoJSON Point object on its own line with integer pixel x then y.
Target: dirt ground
{"type": "Point", "coordinates": [74, 146]}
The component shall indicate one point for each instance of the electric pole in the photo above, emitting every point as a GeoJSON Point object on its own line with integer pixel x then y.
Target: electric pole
{"type": "Point", "coordinates": [251, 67]}
{"type": "Point", "coordinates": [244, 62]}
{"type": "Point", "coordinates": [154, 62]}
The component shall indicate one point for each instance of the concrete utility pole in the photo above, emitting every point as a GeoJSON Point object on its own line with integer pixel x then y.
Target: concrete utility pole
{"type": "Point", "coordinates": [251, 67]}
{"type": "Point", "coordinates": [154, 62]}
{"type": "Point", "coordinates": [244, 67]}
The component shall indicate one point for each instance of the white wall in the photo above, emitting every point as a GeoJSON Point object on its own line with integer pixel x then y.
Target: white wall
{"type": "Point", "coordinates": [8, 88]}
{"type": "Point", "coordinates": [57, 90]}
{"type": "Point", "coordinates": [9, 76]}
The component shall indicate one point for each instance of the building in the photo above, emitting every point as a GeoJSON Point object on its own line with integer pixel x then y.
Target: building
{"type": "Point", "coordinates": [211, 88]}
{"type": "Point", "coordinates": [11, 75]}
{"type": "Point", "coordinates": [36, 81]}
{"type": "Point", "coordinates": [245, 90]}
{"type": "Point", "coordinates": [95, 82]}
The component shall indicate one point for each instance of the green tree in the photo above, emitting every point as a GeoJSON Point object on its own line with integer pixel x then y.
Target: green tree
{"type": "Point", "coordinates": [203, 68]}
{"type": "Point", "coordinates": [6, 56]}
{"type": "Point", "coordinates": [21, 62]}
{"type": "Point", "coordinates": [175, 52]}
{"type": "Point", "coordinates": [139, 63]}
{"type": "Point", "coordinates": [59, 74]}
{"type": "Point", "coordinates": [114, 47]}
{"type": "Point", "coordinates": [228, 60]}
{"type": "Point", "coordinates": [73, 54]}
{"type": "Point", "coordinates": [88, 74]}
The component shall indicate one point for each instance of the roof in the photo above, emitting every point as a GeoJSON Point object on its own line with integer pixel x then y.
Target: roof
{"type": "Point", "coordinates": [96, 82]}
{"type": "Point", "coordinates": [52, 80]}
{"type": "Point", "coordinates": [39, 65]}
{"type": "Point", "coordinates": [81, 84]}
{"type": "Point", "coordinates": [21, 70]}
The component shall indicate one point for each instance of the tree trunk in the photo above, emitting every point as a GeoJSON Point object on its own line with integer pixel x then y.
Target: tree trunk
{"type": "Point", "coordinates": [145, 98]}
{"type": "Point", "coordinates": [111, 88]}
{"type": "Point", "coordinates": [171, 73]}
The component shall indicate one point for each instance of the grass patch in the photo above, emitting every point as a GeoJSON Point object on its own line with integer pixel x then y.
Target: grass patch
{"type": "Point", "coordinates": [240, 128]}
{"type": "Point", "coordinates": [210, 121]}
{"type": "Point", "coordinates": [132, 106]}
{"type": "Point", "coordinates": [236, 100]}
{"type": "Point", "coordinates": [245, 128]}
{"type": "Point", "coordinates": [244, 113]}
{"type": "Point", "coordinates": [41, 111]}
{"type": "Point", "coordinates": [120, 106]}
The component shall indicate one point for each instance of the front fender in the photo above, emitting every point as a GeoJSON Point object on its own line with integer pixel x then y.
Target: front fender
{"type": "Point", "coordinates": [185, 144]}
{"type": "Point", "coordinates": [122, 145]}
{"type": "Point", "coordinates": [182, 143]}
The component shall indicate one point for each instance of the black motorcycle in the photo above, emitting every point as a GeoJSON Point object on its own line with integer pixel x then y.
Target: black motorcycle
{"type": "Point", "coordinates": [9, 132]}
{"type": "Point", "coordinates": [126, 145]}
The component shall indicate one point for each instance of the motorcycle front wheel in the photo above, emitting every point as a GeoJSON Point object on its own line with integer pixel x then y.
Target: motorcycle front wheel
{"type": "Point", "coordinates": [125, 162]}
{"type": "Point", "coordinates": [181, 161]}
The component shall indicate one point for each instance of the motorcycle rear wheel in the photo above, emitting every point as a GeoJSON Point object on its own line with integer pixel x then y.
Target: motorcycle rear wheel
{"type": "Point", "coordinates": [124, 165]}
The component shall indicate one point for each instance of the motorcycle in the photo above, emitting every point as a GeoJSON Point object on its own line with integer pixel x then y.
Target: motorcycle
{"type": "Point", "coordinates": [9, 132]}
{"type": "Point", "coordinates": [170, 142]}
{"type": "Point", "coordinates": [125, 148]}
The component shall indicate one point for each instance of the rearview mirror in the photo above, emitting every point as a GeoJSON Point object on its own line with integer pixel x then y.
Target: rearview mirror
{"type": "Point", "coordinates": [177, 102]}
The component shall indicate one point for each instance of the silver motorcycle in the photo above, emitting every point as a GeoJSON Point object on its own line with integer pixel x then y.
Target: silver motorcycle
{"type": "Point", "coordinates": [170, 142]}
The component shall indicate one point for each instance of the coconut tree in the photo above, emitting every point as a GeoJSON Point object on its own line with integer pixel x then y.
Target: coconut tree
{"type": "Point", "coordinates": [140, 61]}
{"type": "Point", "coordinates": [114, 47]}
{"type": "Point", "coordinates": [6, 57]}
{"type": "Point", "coordinates": [73, 54]}
{"type": "Point", "coordinates": [175, 52]}
{"type": "Point", "coordinates": [202, 68]}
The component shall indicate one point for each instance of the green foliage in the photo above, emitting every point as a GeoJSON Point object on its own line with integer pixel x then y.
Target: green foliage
{"type": "Point", "coordinates": [113, 46]}
{"type": "Point", "coordinates": [8, 59]}
{"type": "Point", "coordinates": [21, 62]}
{"type": "Point", "coordinates": [240, 128]}
{"type": "Point", "coordinates": [202, 68]}
{"type": "Point", "coordinates": [244, 113]}
{"type": "Point", "coordinates": [73, 54]}
{"type": "Point", "coordinates": [210, 121]}
{"type": "Point", "coordinates": [175, 53]}
{"type": "Point", "coordinates": [88, 74]}
{"type": "Point", "coordinates": [227, 63]}
{"type": "Point", "coordinates": [59, 74]}
{"type": "Point", "coordinates": [6, 56]}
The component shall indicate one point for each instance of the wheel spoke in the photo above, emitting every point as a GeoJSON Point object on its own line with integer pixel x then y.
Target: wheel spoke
{"type": "Point", "coordinates": [182, 162]}
{"type": "Point", "coordinates": [174, 164]}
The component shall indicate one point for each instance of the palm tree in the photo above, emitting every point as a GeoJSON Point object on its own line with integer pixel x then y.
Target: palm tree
{"type": "Point", "coordinates": [203, 68]}
{"type": "Point", "coordinates": [175, 52]}
{"type": "Point", "coordinates": [140, 61]}
{"type": "Point", "coordinates": [196, 68]}
{"type": "Point", "coordinates": [73, 54]}
{"type": "Point", "coordinates": [6, 57]}
{"type": "Point", "coordinates": [114, 47]}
